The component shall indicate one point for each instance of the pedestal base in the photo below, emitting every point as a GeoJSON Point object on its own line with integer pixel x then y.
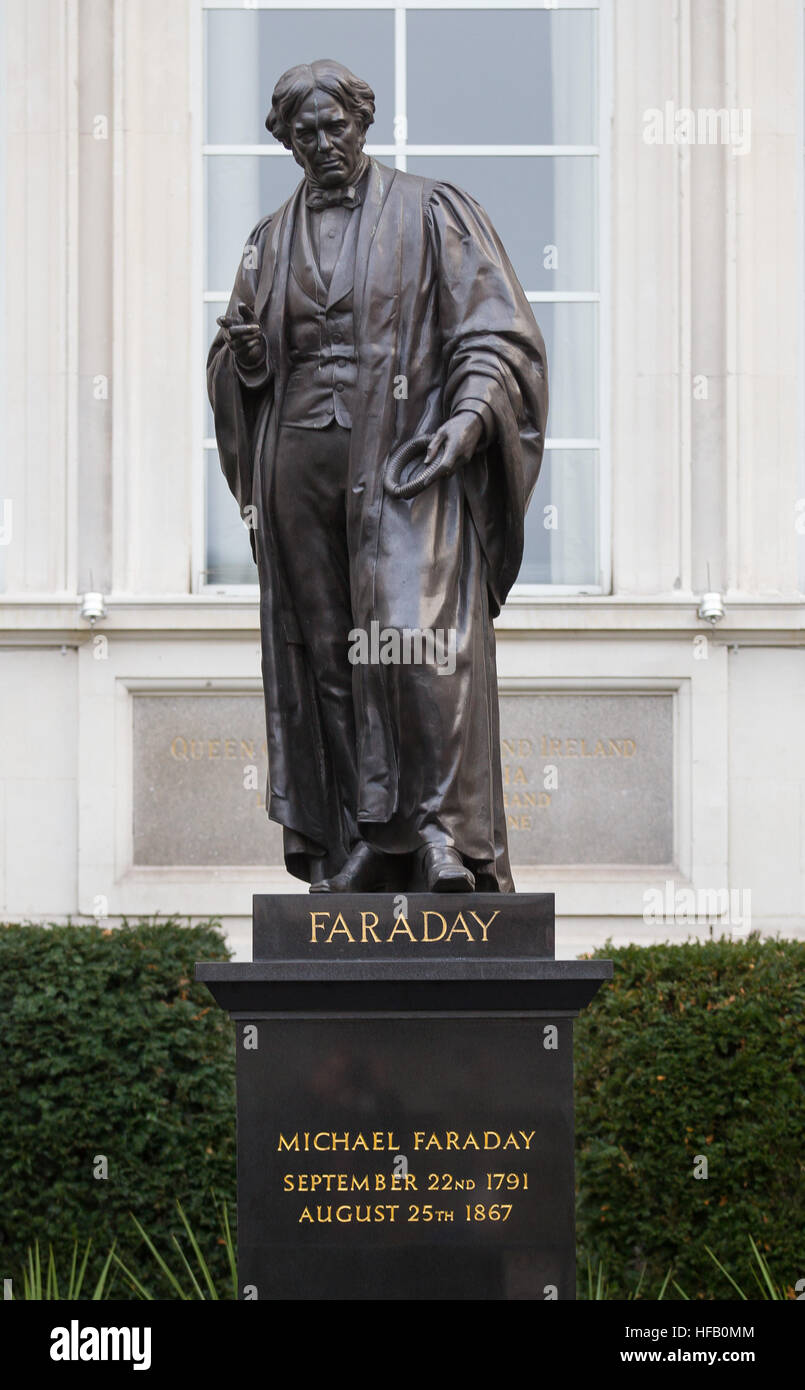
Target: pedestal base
{"type": "Point", "coordinates": [405, 1120]}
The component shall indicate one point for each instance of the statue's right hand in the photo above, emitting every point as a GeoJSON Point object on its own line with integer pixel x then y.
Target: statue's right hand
{"type": "Point", "coordinates": [244, 337]}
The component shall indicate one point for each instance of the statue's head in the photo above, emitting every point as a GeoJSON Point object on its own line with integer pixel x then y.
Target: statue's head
{"type": "Point", "coordinates": [321, 112]}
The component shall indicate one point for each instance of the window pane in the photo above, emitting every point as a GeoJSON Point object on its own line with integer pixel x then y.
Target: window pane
{"type": "Point", "coordinates": [229, 556]}
{"type": "Point", "coordinates": [502, 77]}
{"type": "Point", "coordinates": [535, 203]}
{"type": "Point", "coordinates": [246, 51]}
{"type": "Point", "coordinates": [567, 551]}
{"type": "Point", "coordinates": [240, 189]}
{"type": "Point", "coordinates": [571, 343]}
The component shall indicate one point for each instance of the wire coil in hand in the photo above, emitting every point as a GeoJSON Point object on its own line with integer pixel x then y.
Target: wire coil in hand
{"type": "Point", "coordinates": [397, 462]}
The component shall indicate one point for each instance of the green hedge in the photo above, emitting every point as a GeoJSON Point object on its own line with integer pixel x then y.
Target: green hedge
{"type": "Point", "coordinates": [109, 1047]}
{"type": "Point", "coordinates": [697, 1049]}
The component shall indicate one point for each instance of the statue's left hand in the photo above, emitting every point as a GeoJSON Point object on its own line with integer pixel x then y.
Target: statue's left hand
{"type": "Point", "coordinates": [454, 442]}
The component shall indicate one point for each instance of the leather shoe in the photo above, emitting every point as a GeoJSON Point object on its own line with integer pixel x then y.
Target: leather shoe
{"type": "Point", "coordinates": [363, 872]}
{"type": "Point", "coordinates": [444, 870]}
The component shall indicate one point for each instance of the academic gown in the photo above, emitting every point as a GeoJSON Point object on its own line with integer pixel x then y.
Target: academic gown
{"type": "Point", "coordinates": [439, 317]}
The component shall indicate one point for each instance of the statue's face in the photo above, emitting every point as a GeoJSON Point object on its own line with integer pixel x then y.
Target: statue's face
{"type": "Point", "coordinates": [326, 140]}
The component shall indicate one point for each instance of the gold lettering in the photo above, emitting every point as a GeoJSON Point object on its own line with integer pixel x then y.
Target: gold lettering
{"type": "Point", "coordinates": [368, 928]}
{"type": "Point", "coordinates": [230, 743]}
{"type": "Point", "coordinates": [316, 925]}
{"type": "Point", "coordinates": [342, 930]}
{"type": "Point", "coordinates": [213, 747]}
{"type": "Point", "coordinates": [463, 929]}
{"type": "Point", "coordinates": [402, 927]}
{"type": "Point", "coordinates": [180, 753]}
{"type": "Point", "coordinates": [485, 925]}
{"type": "Point", "coordinates": [443, 920]}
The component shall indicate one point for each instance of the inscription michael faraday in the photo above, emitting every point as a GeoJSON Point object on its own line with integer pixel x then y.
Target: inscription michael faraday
{"type": "Point", "coordinates": [385, 1140]}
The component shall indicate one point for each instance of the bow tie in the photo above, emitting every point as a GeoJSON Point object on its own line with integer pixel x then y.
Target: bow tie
{"type": "Point", "coordinates": [319, 198]}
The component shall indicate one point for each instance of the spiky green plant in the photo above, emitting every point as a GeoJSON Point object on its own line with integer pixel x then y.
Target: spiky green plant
{"type": "Point", "coordinates": [598, 1288]}
{"type": "Point", "coordinates": [768, 1289]}
{"type": "Point", "coordinates": [188, 1282]}
{"type": "Point", "coordinates": [41, 1283]}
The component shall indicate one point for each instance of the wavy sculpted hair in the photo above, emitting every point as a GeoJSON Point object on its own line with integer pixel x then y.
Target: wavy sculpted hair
{"type": "Point", "coordinates": [327, 75]}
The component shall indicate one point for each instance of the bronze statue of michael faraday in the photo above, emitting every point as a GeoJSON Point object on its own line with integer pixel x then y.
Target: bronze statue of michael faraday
{"type": "Point", "coordinates": [372, 309]}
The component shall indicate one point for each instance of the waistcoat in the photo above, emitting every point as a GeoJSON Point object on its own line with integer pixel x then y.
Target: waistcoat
{"type": "Point", "coordinates": [320, 332]}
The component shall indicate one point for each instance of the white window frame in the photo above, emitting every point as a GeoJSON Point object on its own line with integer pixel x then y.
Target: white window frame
{"type": "Point", "coordinates": [3, 263]}
{"type": "Point", "coordinates": [522, 595]}
{"type": "Point", "coordinates": [800, 205]}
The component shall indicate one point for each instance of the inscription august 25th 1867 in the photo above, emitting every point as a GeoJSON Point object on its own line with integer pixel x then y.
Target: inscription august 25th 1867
{"type": "Point", "coordinates": [587, 779]}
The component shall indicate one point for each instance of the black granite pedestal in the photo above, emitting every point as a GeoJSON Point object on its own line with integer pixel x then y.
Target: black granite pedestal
{"type": "Point", "coordinates": [405, 1097]}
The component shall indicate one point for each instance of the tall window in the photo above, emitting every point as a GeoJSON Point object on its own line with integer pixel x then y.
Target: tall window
{"type": "Point", "coordinates": [502, 102]}
{"type": "Point", "coordinates": [6, 503]}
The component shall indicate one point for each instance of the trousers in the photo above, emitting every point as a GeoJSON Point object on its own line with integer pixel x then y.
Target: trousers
{"type": "Point", "coordinates": [309, 512]}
